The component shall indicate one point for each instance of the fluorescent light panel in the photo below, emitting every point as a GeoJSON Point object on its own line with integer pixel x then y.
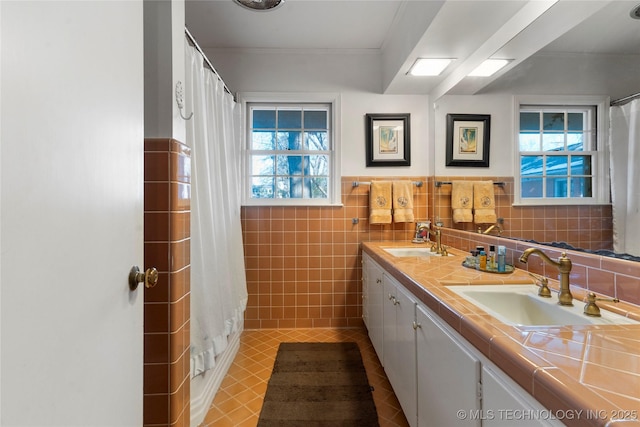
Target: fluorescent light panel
{"type": "Point", "coordinates": [429, 66]}
{"type": "Point", "coordinates": [489, 67]}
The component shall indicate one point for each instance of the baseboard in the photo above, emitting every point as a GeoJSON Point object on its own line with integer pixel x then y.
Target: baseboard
{"type": "Point", "coordinates": [204, 387]}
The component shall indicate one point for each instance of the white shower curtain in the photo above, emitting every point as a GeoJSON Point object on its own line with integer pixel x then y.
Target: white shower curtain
{"type": "Point", "coordinates": [218, 282]}
{"type": "Point", "coordinates": [625, 176]}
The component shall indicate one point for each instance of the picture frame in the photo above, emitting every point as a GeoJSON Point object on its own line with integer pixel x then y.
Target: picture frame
{"type": "Point", "coordinates": [388, 139]}
{"type": "Point", "coordinates": [468, 139]}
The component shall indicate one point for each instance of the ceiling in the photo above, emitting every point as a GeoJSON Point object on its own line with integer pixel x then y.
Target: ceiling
{"type": "Point", "coordinates": [596, 31]}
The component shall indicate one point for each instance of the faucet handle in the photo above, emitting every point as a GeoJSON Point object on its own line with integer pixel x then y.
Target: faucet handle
{"type": "Point", "coordinates": [544, 290]}
{"type": "Point", "coordinates": [591, 308]}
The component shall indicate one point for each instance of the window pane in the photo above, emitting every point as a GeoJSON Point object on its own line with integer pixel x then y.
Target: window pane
{"type": "Point", "coordinates": [289, 141]}
{"type": "Point", "coordinates": [264, 119]}
{"type": "Point", "coordinates": [575, 141]}
{"type": "Point", "coordinates": [262, 165]}
{"type": "Point", "coordinates": [580, 165]}
{"type": "Point", "coordinates": [290, 165]}
{"type": "Point", "coordinates": [319, 187]}
{"type": "Point", "coordinates": [557, 165]}
{"type": "Point", "coordinates": [530, 122]}
{"type": "Point", "coordinates": [262, 187]}
{"type": "Point", "coordinates": [289, 119]}
{"type": "Point", "coordinates": [317, 140]}
{"type": "Point", "coordinates": [581, 187]}
{"type": "Point", "coordinates": [261, 140]}
{"type": "Point", "coordinates": [531, 187]}
{"type": "Point", "coordinates": [553, 121]}
{"type": "Point", "coordinates": [296, 188]}
{"type": "Point", "coordinates": [575, 121]}
{"type": "Point", "coordinates": [552, 141]}
{"type": "Point", "coordinates": [317, 165]}
{"type": "Point", "coordinates": [557, 187]}
{"type": "Point", "coordinates": [315, 119]}
{"type": "Point", "coordinates": [282, 186]}
{"type": "Point", "coordinates": [531, 165]}
{"type": "Point", "coordinates": [529, 141]}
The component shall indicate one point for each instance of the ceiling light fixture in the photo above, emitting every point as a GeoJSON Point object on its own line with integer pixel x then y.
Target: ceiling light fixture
{"type": "Point", "coordinates": [488, 67]}
{"type": "Point", "coordinates": [635, 12]}
{"type": "Point", "coordinates": [429, 66]}
{"type": "Point", "coordinates": [260, 4]}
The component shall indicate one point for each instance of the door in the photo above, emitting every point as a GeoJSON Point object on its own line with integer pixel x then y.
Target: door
{"type": "Point", "coordinates": [71, 219]}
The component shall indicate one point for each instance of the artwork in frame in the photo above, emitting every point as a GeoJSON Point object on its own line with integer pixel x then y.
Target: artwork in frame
{"type": "Point", "coordinates": [388, 140]}
{"type": "Point", "coordinates": [468, 139]}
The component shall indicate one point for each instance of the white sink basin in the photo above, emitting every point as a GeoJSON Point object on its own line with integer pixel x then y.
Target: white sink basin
{"type": "Point", "coordinates": [521, 305]}
{"type": "Point", "coordinates": [412, 252]}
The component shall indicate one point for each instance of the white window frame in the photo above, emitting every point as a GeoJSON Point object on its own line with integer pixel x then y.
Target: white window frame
{"type": "Point", "coordinates": [600, 156]}
{"type": "Point", "coordinates": [335, 196]}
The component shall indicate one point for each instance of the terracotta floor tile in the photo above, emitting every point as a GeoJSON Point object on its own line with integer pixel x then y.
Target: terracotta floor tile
{"type": "Point", "coordinates": [239, 399]}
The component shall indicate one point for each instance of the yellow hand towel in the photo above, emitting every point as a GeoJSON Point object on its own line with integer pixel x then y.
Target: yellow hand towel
{"type": "Point", "coordinates": [484, 203]}
{"type": "Point", "coordinates": [403, 201]}
{"type": "Point", "coordinates": [462, 201]}
{"type": "Point", "coordinates": [380, 202]}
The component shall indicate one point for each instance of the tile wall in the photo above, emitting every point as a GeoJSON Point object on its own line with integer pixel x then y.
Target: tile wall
{"type": "Point", "coordinates": [167, 206]}
{"type": "Point", "coordinates": [587, 227]}
{"type": "Point", "coordinates": [303, 263]}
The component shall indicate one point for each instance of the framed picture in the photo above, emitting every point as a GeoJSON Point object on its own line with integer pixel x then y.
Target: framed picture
{"type": "Point", "coordinates": [468, 139]}
{"type": "Point", "coordinates": [388, 140]}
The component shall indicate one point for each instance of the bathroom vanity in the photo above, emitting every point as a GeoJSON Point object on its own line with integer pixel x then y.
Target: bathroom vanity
{"type": "Point", "coordinates": [452, 363]}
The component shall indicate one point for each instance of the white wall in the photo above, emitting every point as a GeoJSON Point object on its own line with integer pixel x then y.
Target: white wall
{"type": "Point", "coordinates": [356, 77]}
{"type": "Point", "coordinates": [501, 147]}
{"type": "Point", "coordinates": [354, 108]}
{"type": "Point", "coordinates": [163, 68]}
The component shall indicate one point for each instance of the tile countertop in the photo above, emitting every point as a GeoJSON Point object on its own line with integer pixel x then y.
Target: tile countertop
{"type": "Point", "coordinates": [589, 375]}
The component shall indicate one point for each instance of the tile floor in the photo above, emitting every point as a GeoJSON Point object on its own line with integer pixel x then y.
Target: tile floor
{"type": "Point", "coordinates": [239, 399]}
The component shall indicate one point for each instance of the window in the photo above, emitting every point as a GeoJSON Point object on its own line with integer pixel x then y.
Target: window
{"type": "Point", "coordinates": [291, 154]}
{"type": "Point", "coordinates": [560, 156]}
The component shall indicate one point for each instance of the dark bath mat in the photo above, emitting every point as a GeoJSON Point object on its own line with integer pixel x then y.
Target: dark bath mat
{"type": "Point", "coordinates": [318, 384]}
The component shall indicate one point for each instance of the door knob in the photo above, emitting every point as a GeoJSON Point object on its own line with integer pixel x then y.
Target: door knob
{"type": "Point", "coordinates": [149, 277]}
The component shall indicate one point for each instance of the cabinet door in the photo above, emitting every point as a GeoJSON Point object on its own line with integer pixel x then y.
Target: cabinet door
{"type": "Point", "coordinates": [448, 376]}
{"type": "Point", "coordinates": [389, 338]}
{"type": "Point", "coordinates": [504, 403]}
{"type": "Point", "coordinates": [373, 303]}
{"type": "Point", "coordinates": [405, 386]}
{"type": "Point", "coordinates": [399, 345]}
{"type": "Point", "coordinates": [365, 292]}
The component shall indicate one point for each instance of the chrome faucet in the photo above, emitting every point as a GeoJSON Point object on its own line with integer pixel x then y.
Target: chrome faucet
{"type": "Point", "coordinates": [564, 267]}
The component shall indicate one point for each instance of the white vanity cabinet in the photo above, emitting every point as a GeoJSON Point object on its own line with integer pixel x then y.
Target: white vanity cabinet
{"type": "Point", "coordinates": [399, 345]}
{"type": "Point", "coordinates": [448, 376]}
{"type": "Point", "coordinates": [372, 300]}
{"type": "Point", "coordinates": [439, 378]}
